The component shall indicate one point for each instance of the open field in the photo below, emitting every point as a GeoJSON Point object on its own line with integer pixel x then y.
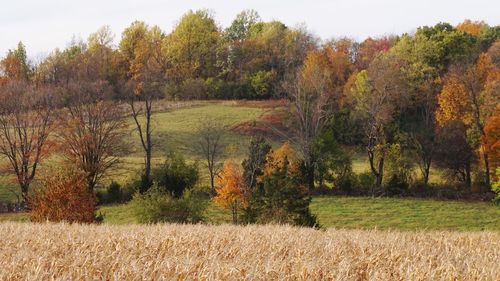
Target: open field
{"type": "Point", "coordinates": [71, 252]}
{"type": "Point", "coordinates": [359, 212]}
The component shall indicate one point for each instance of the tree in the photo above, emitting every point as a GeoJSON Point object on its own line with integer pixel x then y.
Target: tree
{"type": "Point", "coordinates": [282, 197]}
{"type": "Point", "coordinates": [209, 135]}
{"type": "Point", "coordinates": [142, 48]}
{"type": "Point", "coordinates": [16, 66]}
{"type": "Point", "coordinates": [310, 95]}
{"type": "Point", "coordinates": [26, 122]}
{"type": "Point", "coordinates": [175, 175]}
{"type": "Point", "coordinates": [374, 93]}
{"type": "Point", "coordinates": [230, 189]}
{"type": "Point", "coordinates": [191, 47]}
{"type": "Point", "coordinates": [471, 94]}
{"type": "Point", "coordinates": [63, 196]}
{"type": "Point", "coordinates": [492, 142]}
{"type": "Point", "coordinates": [253, 165]}
{"type": "Point", "coordinates": [91, 131]}
{"type": "Point", "coordinates": [472, 27]}
{"type": "Point", "coordinates": [333, 165]}
{"type": "Point", "coordinates": [455, 153]}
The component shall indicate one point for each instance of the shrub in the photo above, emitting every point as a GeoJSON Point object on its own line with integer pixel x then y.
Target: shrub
{"type": "Point", "coordinates": [281, 199]}
{"type": "Point", "coordinates": [175, 175]}
{"type": "Point", "coordinates": [156, 206]}
{"type": "Point", "coordinates": [397, 185]}
{"type": "Point", "coordinates": [114, 193]}
{"type": "Point", "coordinates": [63, 196]}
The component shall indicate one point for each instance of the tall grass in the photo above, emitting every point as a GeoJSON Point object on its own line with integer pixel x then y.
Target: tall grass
{"type": "Point", "coordinates": [178, 252]}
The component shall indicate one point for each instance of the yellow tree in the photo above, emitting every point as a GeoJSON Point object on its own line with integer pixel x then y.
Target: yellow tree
{"type": "Point", "coordinates": [471, 95]}
{"type": "Point", "coordinates": [230, 189]}
{"type": "Point", "coordinates": [276, 159]}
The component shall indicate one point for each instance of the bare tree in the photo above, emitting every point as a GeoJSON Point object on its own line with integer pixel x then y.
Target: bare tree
{"type": "Point", "coordinates": [210, 145]}
{"type": "Point", "coordinates": [26, 121]}
{"type": "Point", "coordinates": [310, 95]}
{"type": "Point", "coordinates": [92, 131]}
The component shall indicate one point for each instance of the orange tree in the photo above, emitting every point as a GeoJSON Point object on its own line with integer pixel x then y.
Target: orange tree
{"type": "Point", "coordinates": [63, 196]}
{"type": "Point", "coordinates": [230, 189]}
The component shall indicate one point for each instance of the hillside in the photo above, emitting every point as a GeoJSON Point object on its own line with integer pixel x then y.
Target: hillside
{"type": "Point", "coordinates": [62, 251]}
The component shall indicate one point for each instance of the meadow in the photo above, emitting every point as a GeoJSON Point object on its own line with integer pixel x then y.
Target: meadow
{"type": "Point", "coordinates": [192, 252]}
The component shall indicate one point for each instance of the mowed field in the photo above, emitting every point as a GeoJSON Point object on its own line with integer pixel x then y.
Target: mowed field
{"type": "Point", "coordinates": [355, 213]}
{"type": "Point", "coordinates": [201, 252]}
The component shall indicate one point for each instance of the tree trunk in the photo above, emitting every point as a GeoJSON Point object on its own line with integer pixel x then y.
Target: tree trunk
{"type": "Point", "coordinates": [235, 213]}
{"type": "Point", "coordinates": [468, 181]}
{"type": "Point", "coordinates": [426, 172]}
{"type": "Point", "coordinates": [486, 168]}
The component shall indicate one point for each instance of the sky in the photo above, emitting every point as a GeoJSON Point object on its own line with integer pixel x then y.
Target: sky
{"type": "Point", "coordinates": [45, 25]}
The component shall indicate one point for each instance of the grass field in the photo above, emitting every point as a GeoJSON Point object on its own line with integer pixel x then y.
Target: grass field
{"type": "Point", "coordinates": [359, 213]}
{"type": "Point", "coordinates": [200, 252]}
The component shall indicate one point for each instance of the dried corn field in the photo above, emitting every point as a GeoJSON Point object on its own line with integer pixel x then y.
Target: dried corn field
{"type": "Point", "coordinates": [178, 252]}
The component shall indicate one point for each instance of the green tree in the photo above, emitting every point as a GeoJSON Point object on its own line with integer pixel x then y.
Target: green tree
{"type": "Point", "coordinates": [191, 48]}
{"type": "Point", "coordinates": [175, 175]}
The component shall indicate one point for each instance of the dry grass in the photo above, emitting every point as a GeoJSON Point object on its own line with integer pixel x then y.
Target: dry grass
{"type": "Point", "coordinates": [178, 252]}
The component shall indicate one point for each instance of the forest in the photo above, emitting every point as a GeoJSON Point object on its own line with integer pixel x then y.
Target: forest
{"type": "Point", "coordinates": [411, 105]}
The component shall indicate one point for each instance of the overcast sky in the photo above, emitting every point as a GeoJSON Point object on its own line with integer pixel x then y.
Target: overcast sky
{"type": "Point", "coordinates": [45, 25]}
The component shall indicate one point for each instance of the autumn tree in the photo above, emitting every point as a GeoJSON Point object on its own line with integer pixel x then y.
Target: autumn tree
{"type": "Point", "coordinates": [471, 95]}
{"type": "Point", "coordinates": [191, 47]}
{"type": "Point", "coordinates": [26, 122]}
{"type": "Point", "coordinates": [142, 48]}
{"type": "Point", "coordinates": [310, 95]}
{"type": "Point", "coordinates": [230, 189]}
{"type": "Point", "coordinates": [472, 27]}
{"type": "Point", "coordinates": [15, 66]}
{"type": "Point", "coordinates": [91, 130]}
{"type": "Point", "coordinates": [63, 196]}
{"type": "Point", "coordinates": [374, 93]}
{"type": "Point", "coordinates": [454, 152]}
{"type": "Point", "coordinates": [492, 142]}
{"type": "Point", "coordinates": [281, 196]}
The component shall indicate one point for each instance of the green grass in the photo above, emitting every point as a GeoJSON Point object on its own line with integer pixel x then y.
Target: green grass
{"type": "Point", "coordinates": [370, 213]}
{"type": "Point", "coordinates": [405, 214]}
{"type": "Point", "coordinates": [356, 213]}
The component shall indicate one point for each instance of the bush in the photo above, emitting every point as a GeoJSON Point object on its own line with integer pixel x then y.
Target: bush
{"type": "Point", "coordinates": [364, 182]}
{"type": "Point", "coordinates": [157, 206]}
{"type": "Point", "coordinates": [280, 199]}
{"type": "Point", "coordinates": [175, 176]}
{"type": "Point", "coordinates": [397, 186]}
{"type": "Point", "coordinates": [63, 197]}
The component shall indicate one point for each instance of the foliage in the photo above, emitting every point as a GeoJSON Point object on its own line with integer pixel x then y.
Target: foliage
{"type": "Point", "coordinates": [63, 196]}
{"type": "Point", "coordinates": [175, 176]}
{"type": "Point", "coordinates": [253, 165]}
{"type": "Point", "coordinates": [156, 206]}
{"type": "Point", "coordinates": [282, 197]}
{"type": "Point", "coordinates": [333, 164]}
{"type": "Point", "coordinates": [230, 190]}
